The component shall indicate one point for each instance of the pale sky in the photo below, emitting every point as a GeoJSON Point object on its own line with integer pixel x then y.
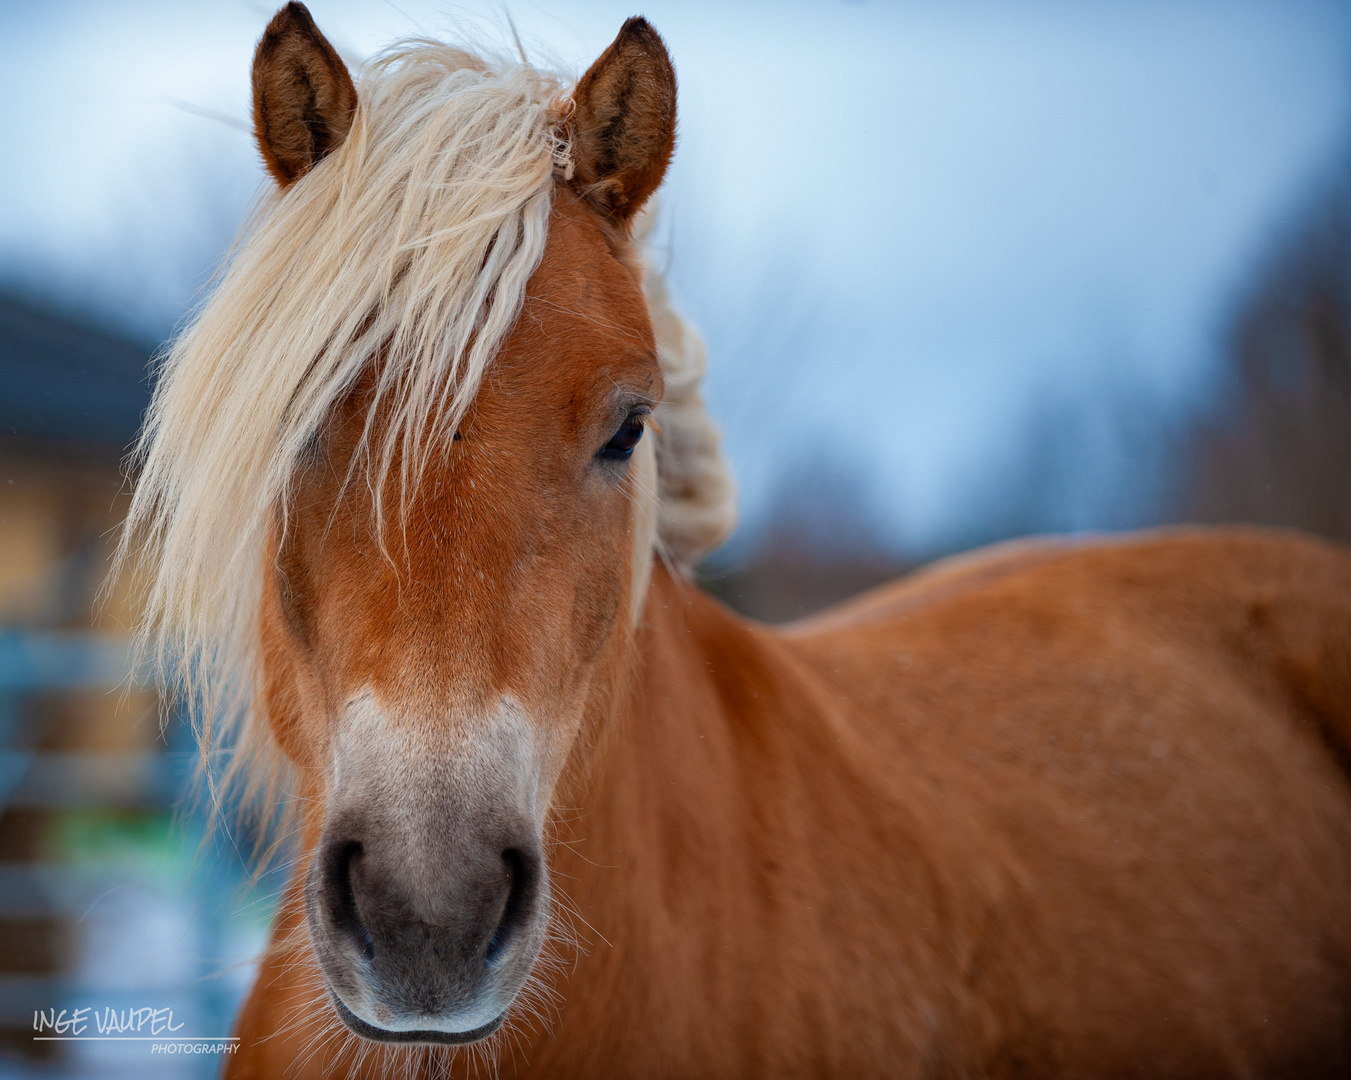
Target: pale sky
{"type": "Point", "coordinates": [904, 227]}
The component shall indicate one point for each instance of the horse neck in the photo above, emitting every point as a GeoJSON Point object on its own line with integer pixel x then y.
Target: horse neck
{"type": "Point", "coordinates": [699, 699]}
{"type": "Point", "coordinates": [664, 847]}
{"type": "Point", "coordinates": [709, 844]}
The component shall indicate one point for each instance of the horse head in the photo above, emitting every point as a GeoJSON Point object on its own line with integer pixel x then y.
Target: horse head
{"type": "Point", "coordinates": [426, 387]}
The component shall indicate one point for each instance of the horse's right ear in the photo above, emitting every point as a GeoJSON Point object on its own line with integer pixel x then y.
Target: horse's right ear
{"type": "Point", "coordinates": [623, 127]}
{"type": "Point", "coordinates": [303, 97]}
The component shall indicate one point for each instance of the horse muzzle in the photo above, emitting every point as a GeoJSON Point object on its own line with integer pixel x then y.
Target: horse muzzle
{"type": "Point", "coordinates": [425, 946]}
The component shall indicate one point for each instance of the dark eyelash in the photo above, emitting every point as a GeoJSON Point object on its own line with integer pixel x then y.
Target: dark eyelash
{"type": "Point", "coordinates": [630, 433]}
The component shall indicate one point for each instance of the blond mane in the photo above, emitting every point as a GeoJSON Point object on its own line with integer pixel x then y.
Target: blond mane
{"type": "Point", "coordinates": [696, 509]}
{"type": "Point", "coordinates": [413, 242]}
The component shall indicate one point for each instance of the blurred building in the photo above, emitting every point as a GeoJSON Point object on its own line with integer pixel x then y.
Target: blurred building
{"type": "Point", "coordinates": [94, 908]}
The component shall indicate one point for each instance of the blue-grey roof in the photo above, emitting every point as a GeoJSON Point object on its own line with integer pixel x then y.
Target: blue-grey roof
{"type": "Point", "coordinates": [65, 381]}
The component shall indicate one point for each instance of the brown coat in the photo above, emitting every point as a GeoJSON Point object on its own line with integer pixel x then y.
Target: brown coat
{"type": "Point", "coordinates": [1060, 811]}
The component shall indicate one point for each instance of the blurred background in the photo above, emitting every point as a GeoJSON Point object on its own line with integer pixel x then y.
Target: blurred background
{"type": "Point", "coordinates": [968, 271]}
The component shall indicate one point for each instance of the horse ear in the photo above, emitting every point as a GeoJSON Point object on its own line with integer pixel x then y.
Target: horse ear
{"type": "Point", "coordinates": [303, 97]}
{"type": "Point", "coordinates": [623, 129]}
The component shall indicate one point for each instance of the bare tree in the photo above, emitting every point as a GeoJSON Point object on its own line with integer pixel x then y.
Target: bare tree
{"type": "Point", "coordinates": [1278, 451]}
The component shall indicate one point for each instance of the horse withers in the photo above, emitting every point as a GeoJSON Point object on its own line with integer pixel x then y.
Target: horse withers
{"type": "Point", "coordinates": [418, 496]}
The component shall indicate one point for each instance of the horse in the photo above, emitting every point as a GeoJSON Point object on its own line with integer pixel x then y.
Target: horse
{"type": "Point", "coordinates": [418, 499]}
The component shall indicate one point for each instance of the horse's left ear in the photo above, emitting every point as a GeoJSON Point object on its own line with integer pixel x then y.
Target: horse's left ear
{"type": "Point", "coordinates": [623, 129]}
{"type": "Point", "coordinates": [303, 97]}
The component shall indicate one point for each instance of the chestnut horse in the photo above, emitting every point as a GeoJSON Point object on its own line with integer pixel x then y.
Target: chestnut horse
{"type": "Point", "coordinates": [419, 492]}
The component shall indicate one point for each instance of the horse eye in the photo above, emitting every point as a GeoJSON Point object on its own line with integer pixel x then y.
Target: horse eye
{"type": "Point", "coordinates": [620, 447]}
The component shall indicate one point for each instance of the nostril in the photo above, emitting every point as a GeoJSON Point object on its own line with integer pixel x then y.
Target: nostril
{"type": "Point", "coordinates": [342, 899]}
{"type": "Point", "coordinates": [520, 889]}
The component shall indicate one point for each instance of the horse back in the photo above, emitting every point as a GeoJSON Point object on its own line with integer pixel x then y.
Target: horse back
{"type": "Point", "coordinates": [1127, 764]}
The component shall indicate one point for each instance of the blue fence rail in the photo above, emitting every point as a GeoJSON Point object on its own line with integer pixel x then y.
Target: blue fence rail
{"type": "Point", "coordinates": [156, 923]}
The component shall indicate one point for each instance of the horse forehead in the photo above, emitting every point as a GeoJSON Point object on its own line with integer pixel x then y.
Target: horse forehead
{"type": "Point", "coordinates": [587, 279]}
